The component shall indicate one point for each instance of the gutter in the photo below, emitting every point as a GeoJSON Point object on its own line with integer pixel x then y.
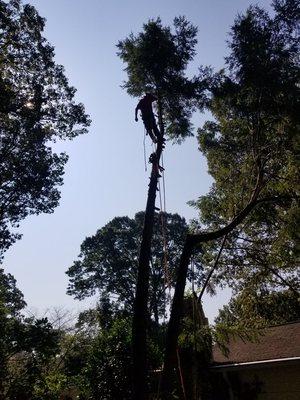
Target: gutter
{"type": "Point", "coordinates": [253, 364]}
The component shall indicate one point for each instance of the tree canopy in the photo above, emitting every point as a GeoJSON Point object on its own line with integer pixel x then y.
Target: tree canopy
{"type": "Point", "coordinates": [156, 61]}
{"type": "Point", "coordinates": [37, 107]}
{"type": "Point", "coordinates": [108, 261]}
{"type": "Point", "coordinates": [251, 146]}
{"type": "Point", "coordinates": [255, 131]}
{"type": "Point", "coordinates": [250, 309]}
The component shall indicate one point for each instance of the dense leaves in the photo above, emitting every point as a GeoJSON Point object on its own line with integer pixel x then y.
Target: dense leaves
{"type": "Point", "coordinates": [253, 142]}
{"type": "Point", "coordinates": [156, 60]}
{"type": "Point", "coordinates": [263, 309]}
{"type": "Point", "coordinates": [37, 107]}
{"type": "Point", "coordinates": [108, 261]}
{"type": "Point", "coordinates": [109, 368]}
{"type": "Point", "coordinates": [26, 344]}
{"type": "Point", "coordinates": [11, 297]}
{"type": "Point", "coordinates": [248, 313]}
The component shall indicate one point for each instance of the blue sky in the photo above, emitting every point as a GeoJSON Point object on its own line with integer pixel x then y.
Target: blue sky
{"type": "Point", "coordinates": [105, 174]}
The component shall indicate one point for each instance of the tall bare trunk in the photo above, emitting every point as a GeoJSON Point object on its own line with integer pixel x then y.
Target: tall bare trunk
{"type": "Point", "coordinates": [140, 316]}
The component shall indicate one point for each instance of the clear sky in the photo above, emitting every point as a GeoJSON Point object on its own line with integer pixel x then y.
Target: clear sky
{"type": "Point", "coordinates": [105, 174]}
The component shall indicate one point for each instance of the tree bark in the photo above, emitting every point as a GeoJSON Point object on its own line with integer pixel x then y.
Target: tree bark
{"type": "Point", "coordinates": [140, 315]}
{"type": "Point", "coordinates": [169, 371]}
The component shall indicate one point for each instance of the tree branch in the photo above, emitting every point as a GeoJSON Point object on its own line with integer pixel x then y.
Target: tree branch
{"type": "Point", "coordinates": [212, 269]}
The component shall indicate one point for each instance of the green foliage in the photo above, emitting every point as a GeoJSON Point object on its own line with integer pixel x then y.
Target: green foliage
{"type": "Point", "coordinates": [108, 371]}
{"type": "Point", "coordinates": [260, 309]}
{"type": "Point", "coordinates": [30, 346]}
{"type": "Point", "coordinates": [196, 335]}
{"type": "Point", "coordinates": [11, 303]}
{"type": "Point", "coordinates": [37, 107]}
{"type": "Point", "coordinates": [66, 373]}
{"type": "Point", "coordinates": [110, 362]}
{"type": "Point", "coordinates": [249, 313]}
{"type": "Point", "coordinates": [108, 261]}
{"type": "Point", "coordinates": [90, 361]}
{"type": "Point", "coordinates": [10, 296]}
{"type": "Point", "coordinates": [26, 344]}
{"type": "Point", "coordinates": [196, 338]}
{"type": "Point", "coordinates": [50, 386]}
{"type": "Point", "coordinates": [156, 60]}
{"type": "Point", "coordinates": [255, 131]}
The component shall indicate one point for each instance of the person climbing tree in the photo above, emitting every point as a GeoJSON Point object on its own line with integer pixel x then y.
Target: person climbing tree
{"type": "Point", "coordinates": [156, 60]}
{"type": "Point", "coordinates": [145, 106]}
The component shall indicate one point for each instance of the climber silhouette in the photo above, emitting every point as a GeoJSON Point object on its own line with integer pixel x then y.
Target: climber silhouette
{"type": "Point", "coordinates": [145, 106]}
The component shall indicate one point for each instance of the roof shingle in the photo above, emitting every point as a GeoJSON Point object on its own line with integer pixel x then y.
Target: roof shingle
{"type": "Point", "coordinates": [282, 341]}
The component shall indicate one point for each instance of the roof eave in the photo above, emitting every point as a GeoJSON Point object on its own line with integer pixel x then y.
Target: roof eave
{"type": "Point", "coordinates": [256, 364]}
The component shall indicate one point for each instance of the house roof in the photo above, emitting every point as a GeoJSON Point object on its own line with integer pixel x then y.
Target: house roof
{"type": "Point", "coordinates": [278, 342]}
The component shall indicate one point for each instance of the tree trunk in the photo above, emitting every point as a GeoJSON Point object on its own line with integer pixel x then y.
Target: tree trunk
{"type": "Point", "coordinates": [169, 372]}
{"type": "Point", "coordinates": [174, 324]}
{"type": "Point", "coordinates": [140, 316]}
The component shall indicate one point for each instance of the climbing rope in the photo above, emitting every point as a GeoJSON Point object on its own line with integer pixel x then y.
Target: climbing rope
{"type": "Point", "coordinates": [195, 309]}
{"type": "Point", "coordinates": [162, 201]}
{"type": "Point", "coordinates": [193, 274]}
{"type": "Point", "coordinates": [163, 180]}
{"type": "Point", "coordinates": [180, 374]}
{"type": "Point", "coordinates": [164, 236]}
{"type": "Point", "coordinates": [193, 303]}
{"type": "Point", "coordinates": [167, 281]}
{"type": "Point", "coordinates": [145, 157]}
